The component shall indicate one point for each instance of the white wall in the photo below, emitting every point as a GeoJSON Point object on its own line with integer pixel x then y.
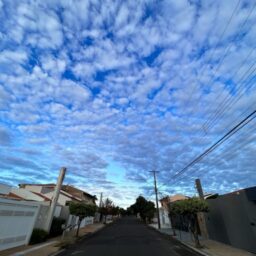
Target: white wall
{"type": "Point", "coordinates": [43, 214]}
{"type": "Point", "coordinates": [34, 188]}
{"type": "Point", "coordinates": [17, 219]}
{"type": "Point", "coordinates": [164, 218]}
{"type": "Point", "coordinates": [87, 221]}
{"type": "Point", "coordinates": [26, 194]}
{"type": "Point", "coordinates": [62, 198]}
{"type": "Point", "coordinates": [73, 220]}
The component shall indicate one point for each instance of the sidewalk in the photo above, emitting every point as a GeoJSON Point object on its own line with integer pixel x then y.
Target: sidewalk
{"type": "Point", "coordinates": [210, 247]}
{"type": "Point", "coordinates": [52, 246]}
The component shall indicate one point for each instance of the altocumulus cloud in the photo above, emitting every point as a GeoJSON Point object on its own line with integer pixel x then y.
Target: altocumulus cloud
{"type": "Point", "coordinates": [93, 85]}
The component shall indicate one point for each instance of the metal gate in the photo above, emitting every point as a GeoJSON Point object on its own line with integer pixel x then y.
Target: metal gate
{"type": "Point", "coordinates": [17, 219]}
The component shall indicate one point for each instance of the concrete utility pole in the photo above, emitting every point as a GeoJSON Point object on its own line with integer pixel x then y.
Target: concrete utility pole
{"type": "Point", "coordinates": [201, 216]}
{"type": "Point", "coordinates": [199, 188]}
{"type": "Point", "coordinates": [101, 195]}
{"type": "Point", "coordinates": [55, 199]}
{"type": "Point", "coordinates": [157, 207]}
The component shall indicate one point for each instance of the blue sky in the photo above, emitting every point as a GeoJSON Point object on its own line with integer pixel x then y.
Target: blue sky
{"type": "Point", "coordinates": [114, 89]}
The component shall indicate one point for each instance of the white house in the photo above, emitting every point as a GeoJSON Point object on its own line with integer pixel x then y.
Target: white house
{"type": "Point", "coordinates": [67, 193]}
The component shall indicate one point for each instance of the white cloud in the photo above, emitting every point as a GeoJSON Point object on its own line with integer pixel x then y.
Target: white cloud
{"type": "Point", "coordinates": [128, 82]}
{"type": "Point", "coordinates": [8, 56]}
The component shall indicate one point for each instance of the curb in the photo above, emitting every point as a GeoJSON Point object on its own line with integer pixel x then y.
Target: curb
{"type": "Point", "coordinates": [33, 248]}
{"type": "Point", "coordinates": [193, 248]}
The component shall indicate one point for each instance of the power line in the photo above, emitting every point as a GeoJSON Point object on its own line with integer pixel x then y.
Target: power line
{"type": "Point", "coordinates": [229, 96]}
{"type": "Point", "coordinates": [228, 47]}
{"type": "Point", "coordinates": [220, 62]}
{"type": "Point", "coordinates": [230, 133]}
{"type": "Point", "coordinates": [220, 38]}
{"type": "Point", "coordinates": [227, 102]}
{"type": "Point", "coordinates": [226, 156]}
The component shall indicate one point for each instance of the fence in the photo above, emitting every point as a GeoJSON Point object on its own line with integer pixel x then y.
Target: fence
{"type": "Point", "coordinates": [73, 221]}
{"type": "Point", "coordinates": [17, 220]}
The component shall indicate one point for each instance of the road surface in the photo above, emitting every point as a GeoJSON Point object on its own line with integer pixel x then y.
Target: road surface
{"type": "Point", "coordinates": [128, 237]}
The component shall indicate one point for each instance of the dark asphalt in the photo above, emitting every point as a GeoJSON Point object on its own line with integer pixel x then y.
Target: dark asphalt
{"type": "Point", "coordinates": [128, 237]}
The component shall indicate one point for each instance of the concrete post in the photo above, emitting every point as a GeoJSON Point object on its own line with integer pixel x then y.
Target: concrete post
{"type": "Point", "coordinates": [201, 216]}
{"type": "Point", "coordinates": [55, 199]}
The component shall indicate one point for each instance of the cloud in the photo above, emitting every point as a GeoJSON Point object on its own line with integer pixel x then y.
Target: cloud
{"type": "Point", "coordinates": [5, 137]}
{"type": "Point", "coordinates": [140, 84]}
{"type": "Point", "coordinates": [19, 162]}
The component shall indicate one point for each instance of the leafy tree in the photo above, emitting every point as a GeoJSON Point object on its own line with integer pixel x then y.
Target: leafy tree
{"type": "Point", "coordinates": [122, 211]}
{"type": "Point", "coordinates": [189, 208]}
{"type": "Point", "coordinates": [81, 210]}
{"type": "Point", "coordinates": [145, 208]}
{"type": "Point", "coordinates": [108, 208]}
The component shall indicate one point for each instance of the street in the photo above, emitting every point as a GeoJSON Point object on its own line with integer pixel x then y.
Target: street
{"type": "Point", "coordinates": [128, 237]}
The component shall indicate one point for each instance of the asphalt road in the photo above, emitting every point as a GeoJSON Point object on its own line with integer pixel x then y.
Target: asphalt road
{"type": "Point", "coordinates": [128, 237]}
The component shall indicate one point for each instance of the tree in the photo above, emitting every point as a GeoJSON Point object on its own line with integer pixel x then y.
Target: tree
{"type": "Point", "coordinates": [189, 208]}
{"type": "Point", "coordinates": [108, 208]}
{"type": "Point", "coordinates": [145, 208]}
{"type": "Point", "coordinates": [81, 210]}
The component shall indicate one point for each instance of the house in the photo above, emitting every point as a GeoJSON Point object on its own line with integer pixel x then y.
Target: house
{"type": "Point", "coordinates": [29, 195]}
{"type": "Point", "coordinates": [164, 209]}
{"type": "Point", "coordinates": [67, 193]}
{"type": "Point", "coordinates": [165, 201]}
{"type": "Point", "coordinates": [82, 195]}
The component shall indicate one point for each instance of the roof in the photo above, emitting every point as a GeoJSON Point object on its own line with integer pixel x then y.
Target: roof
{"type": "Point", "coordinates": [211, 196]}
{"type": "Point", "coordinates": [11, 196]}
{"type": "Point", "coordinates": [171, 199]}
{"type": "Point", "coordinates": [76, 191]}
{"type": "Point", "coordinates": [70, 196]}
{"type": "Point", "coordinates": [29, 195]}
{"type": "Point", "coordinates": [42, 195]}
{"type": "Point", "coordinates": [68, 188]}
{"type": "Point", "coordinates": [42, 185]}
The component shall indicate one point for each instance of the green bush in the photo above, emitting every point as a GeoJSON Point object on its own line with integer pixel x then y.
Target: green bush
{"type": "Point", "coordinates": [38, 236]}
{"type": "Point", "coordinates": [56, 229]}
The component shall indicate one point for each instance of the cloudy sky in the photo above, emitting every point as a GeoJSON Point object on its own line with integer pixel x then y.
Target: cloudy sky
{"type": "Point", "coordinates": [115, 89]}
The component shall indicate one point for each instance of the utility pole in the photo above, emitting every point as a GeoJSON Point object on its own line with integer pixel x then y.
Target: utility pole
{"type": "Point", "coordinates": [199, 188]}
{"type": "Point", "coordinates": [201, 216]}
{"type": "Point", "coordinates": [157, 207]}
{"type": "Point", "coordinates": [55, 198]}
{"type": "Point", "coordinates": [101, 195]}
{"type": "Point", "coordinates": [100, 205]}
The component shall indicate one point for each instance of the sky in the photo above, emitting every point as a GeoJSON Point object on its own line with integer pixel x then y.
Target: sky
{"type": "Point", "coordinates": [115, 89]}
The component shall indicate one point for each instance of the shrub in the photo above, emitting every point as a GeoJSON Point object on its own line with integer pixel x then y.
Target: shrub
{"type": "Point", "coordinates": [189, 208]}
{"type": "Point", "coordinates": [38, 236]}
{"type": "Point", "coordinates": [56, 229]}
